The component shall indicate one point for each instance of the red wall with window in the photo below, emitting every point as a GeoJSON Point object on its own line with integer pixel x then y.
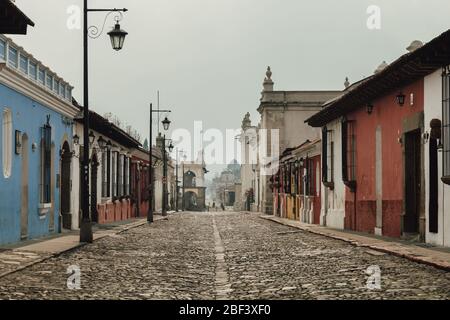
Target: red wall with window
{"type": "Point", "coordinates": [389, 115]}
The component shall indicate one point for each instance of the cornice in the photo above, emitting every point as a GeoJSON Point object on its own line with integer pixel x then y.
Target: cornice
{"type": "Point", "coordinates": [21, 84]}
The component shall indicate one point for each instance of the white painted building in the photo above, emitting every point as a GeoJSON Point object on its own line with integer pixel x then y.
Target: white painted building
{"type": "Point", "coordinates": [438, 232]}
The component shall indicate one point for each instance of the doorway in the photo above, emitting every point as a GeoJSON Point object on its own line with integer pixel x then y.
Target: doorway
{"type": "Point", "coordinates": [66, 159]}
{"type": "Point", "coordinates": [412, 182]}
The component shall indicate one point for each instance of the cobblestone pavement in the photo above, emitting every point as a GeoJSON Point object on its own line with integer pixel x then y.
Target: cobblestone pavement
{"type": "Point", "coordinates": [224, 256]}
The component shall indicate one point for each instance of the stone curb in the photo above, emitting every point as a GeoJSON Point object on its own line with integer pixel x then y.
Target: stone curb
{"type": "Point", "coordinates": [79, 245]}
{"type": "Point", "coordinates": [418, 259]}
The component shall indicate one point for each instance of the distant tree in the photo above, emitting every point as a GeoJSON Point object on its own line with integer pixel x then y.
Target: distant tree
{"type": "Point", "coordinates": [146, 144]}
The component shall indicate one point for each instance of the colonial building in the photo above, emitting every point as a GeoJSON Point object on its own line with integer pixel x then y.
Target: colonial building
{"type": "Point", "coordinates": [110, 173]}
{"type": "Point", "coordinates": [297, 184]}
{"type": "Point", "coordinates": [36, 120]}
{"type": "Point", "coordinates": [283, 115]}
{"type": "Point", "coordinates": [381, 147]}
{"type": "Point", "coordinates": [193, 186]}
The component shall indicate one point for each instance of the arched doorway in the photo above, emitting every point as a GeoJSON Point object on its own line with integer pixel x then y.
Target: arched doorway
{"type": "Point", "coordinates": [24, 189]}
{"type": "Point", "coordinates": [66, 160]}
{"type": "Point", "coordinates": [190, 201]}
{"type": "Point", "coordinates": [94, 167]}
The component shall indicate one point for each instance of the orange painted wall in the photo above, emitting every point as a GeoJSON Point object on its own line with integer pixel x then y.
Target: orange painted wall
{"type": "Point", "coordinates": [389, 115]}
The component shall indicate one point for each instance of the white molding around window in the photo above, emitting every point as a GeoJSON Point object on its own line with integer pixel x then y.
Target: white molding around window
{"type": "Point", "coordinates": [7, 142]}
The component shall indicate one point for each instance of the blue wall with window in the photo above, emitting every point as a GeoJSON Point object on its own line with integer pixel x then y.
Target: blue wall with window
{"type": "Point", "coordinates": [29, 117]}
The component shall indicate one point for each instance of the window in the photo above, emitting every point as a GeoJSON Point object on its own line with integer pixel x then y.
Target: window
{"type": "Point", "coordinates": [349, 154]}
{"type": "Point", "coordinates": [68, 93]}
{"type": "Point", "coordinates": [46, 162]}
{"type": "Point", "coordinates": [33, 70]}
{"type": "Point", "coordinates": [49, 81]}
{"type": "Point", "coordinates": [7, 142]}
{"type": "Point", "coordinates": [327, 158]}
{"type": "Point", "coordinates": [56, 86]}
{"type": "Point", "coordinates": [2, 49]}
{"type": "Point", "coordinates": [62, 90]}
{"type": "Point", "coordinates": [12, 57]}
{"type": "Point", "coordinates": [446, 125]}
{"type": "Point", "coordinates": [41, 76]}
{"type": "Point", "coordinates": [23, 63]}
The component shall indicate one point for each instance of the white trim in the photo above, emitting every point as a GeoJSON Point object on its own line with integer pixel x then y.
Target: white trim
{"type": "Point", "coordinates": [21, 83]}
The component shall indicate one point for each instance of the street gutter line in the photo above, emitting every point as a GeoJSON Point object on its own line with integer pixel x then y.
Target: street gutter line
{"type": "Point", "coordinates": [222, 284]}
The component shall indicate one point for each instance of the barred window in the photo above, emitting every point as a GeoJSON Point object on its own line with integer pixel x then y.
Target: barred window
{"type": "Point", "coordinates": [349, 154]}
{"type": "Point", "coordinates": [446, 124]}
{"type": "Point", "coordinates": [46, 163]}
{"type": "Point", "coordinates": [327, 158]}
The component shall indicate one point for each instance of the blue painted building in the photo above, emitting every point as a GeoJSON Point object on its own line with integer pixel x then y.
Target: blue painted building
{"type": "Point", "coordinates": [36, 129]}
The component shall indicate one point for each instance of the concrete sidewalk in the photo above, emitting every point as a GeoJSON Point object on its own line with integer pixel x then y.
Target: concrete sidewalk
{"type": "Point", "coordinates": [434, 256]}
{"type": "Point", "coordinates": [18, 257]}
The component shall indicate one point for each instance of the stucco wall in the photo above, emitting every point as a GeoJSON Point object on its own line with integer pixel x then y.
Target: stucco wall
{"type": "Point", "coordinates": [29, 116]}
{"type": "Point", "coordinates": [390, 118]}
{"type": "Point", "coordinates": [433, 110]}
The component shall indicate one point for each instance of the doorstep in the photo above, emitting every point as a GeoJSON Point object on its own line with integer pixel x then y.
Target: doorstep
{"type": "Point", "coordinates": [437, 257]}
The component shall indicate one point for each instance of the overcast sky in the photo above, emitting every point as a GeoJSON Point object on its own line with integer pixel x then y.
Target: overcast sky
{"type": "Point", "coordinates": [208, 57]}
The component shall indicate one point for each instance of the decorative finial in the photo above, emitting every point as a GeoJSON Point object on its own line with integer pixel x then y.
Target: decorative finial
{"type": "Point", "coordinates": [346, 83]}
{"type": "Point", "coordinates": [268, 74]}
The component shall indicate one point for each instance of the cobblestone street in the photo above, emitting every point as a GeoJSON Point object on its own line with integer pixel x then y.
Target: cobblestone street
{"type": "Point", "coordinates": [224, 256]}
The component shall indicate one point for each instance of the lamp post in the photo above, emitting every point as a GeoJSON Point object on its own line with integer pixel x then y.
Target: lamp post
{"type": "Point", "coordinates": [166, 124]}
{"type": "Point", "coordinates": [117, 37]}
{"type": "Point", "coordinates": [176, 178]}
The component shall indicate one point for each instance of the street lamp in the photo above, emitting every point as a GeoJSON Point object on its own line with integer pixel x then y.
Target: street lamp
{"type": "Point", "coordinates": [101, 143]}
{"type": "Point", "coordinates": [91, 138]}
{"type": "Point", "coordinates": [166, 123]}
{"type": "Point", "coordinates": [171, 147]}
{"type": "Point", "coordinates": [117, 38]}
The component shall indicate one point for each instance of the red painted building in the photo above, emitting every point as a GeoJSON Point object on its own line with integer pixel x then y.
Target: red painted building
{"type": "Point", "coordinates": [386, 126]}
{"type": "Point", "coordinates": [374, 138]}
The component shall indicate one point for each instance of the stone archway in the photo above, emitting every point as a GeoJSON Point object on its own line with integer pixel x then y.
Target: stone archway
{"type": "Point", "coordinates": [66, 162]}
{"type": "Point", "coordinates": [190, 201]}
